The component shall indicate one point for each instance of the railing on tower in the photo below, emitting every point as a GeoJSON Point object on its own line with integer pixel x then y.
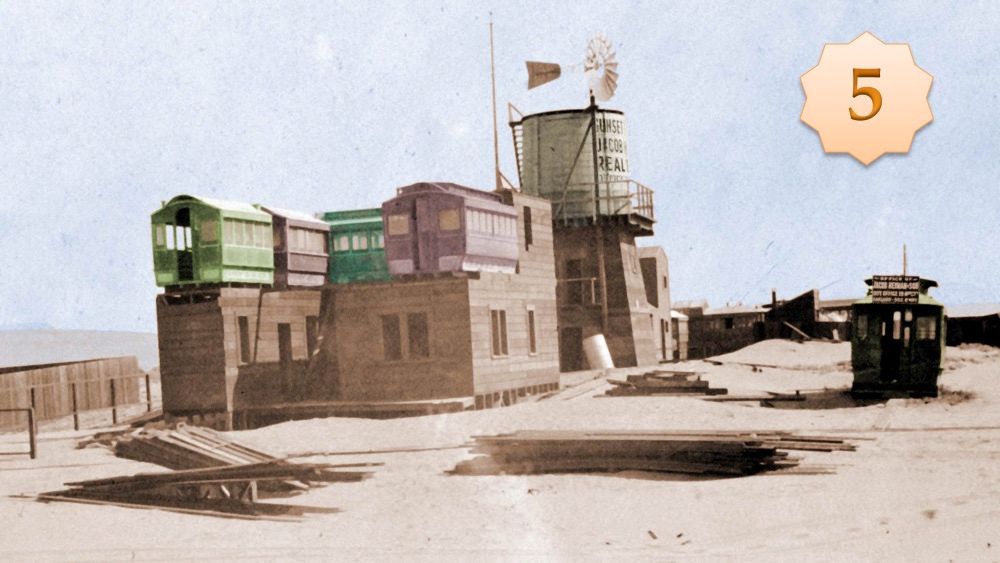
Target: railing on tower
{"type": "Point", "coordinates": [618, 197]}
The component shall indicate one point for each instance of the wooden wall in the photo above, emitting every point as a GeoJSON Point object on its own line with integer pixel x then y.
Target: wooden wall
{"type": "Point", "coordinates": [201, 355]}
{"type": "Point", "coordinates": [655, 277]}
{"type": "Point", "coordinates": [353, 356]}
{"type": "Point", "coordinates": [534, 288]}
{"type": "Point", "coordinates": [53, 390]}
{"type": "Point", "coordinates": [630, 335]}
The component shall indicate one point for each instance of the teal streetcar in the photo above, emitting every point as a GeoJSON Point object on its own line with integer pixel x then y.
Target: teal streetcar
{"type": "Point", "coordinates": [357, 246]}
{"type": "Point", "coordinates": [198, 240]}
{"type": "Point", "coordinates": [898, 341]}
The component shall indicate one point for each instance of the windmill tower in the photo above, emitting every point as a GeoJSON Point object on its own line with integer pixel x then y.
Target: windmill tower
{"type": "Point", "coordinates": [578, 160]}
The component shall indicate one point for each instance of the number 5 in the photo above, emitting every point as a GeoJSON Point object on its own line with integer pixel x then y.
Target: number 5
{"type": "Point", "coordinates": [870, 91]}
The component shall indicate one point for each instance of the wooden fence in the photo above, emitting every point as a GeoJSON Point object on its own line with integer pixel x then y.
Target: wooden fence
{"type": "Point", "coordinates": [63, 389]}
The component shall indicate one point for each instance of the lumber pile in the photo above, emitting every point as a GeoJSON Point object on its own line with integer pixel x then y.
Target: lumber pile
{"type": "Point", "coordinates": [699, 453]}
{"type": "Point", "coordinates": [186, 447]}
{"type": "Point", "coordinates": [662, 382]}
{"type": "Point", "coordinates": [213, 475]}
{"type": "Point", "coordinates": [229, 491]}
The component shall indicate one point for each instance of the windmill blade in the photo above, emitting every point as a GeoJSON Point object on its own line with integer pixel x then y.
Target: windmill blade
{"type": "Point", "coordinates": [541, 73]}
{"type": "Point", "coordinates": [601, 68]}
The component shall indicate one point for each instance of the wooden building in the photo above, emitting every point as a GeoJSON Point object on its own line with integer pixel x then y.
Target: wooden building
{"type": "Point", "coordinates": [656, 279]}
{"type": "Point", "coordinates": [721, 330]}
{"type": "Point", "coordinates": [300, 248]}
{"type": "Point", "coordinates": [438, 335]}
{"type": "Point", "coordinates": [679, 330]}
{"type": "Point", "coordinates": [974, 324]}
{"type": "Point", "coordinates": [222, 349]}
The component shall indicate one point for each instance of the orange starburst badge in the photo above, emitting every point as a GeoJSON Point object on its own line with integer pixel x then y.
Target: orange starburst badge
{"type": "Point", "coordinates": [866, 98]}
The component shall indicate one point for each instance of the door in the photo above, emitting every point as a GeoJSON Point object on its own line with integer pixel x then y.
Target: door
{"type": "Point", "coordinates": [892, 345]}
{"type": "Point", "coordinates": [425, 216]}
{"type": "Point", "coordinates": [571, 349]}
{"type": "Point", "coordinates": [184, 245]}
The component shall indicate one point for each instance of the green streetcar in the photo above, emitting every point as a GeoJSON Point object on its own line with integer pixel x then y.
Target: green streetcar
{"type": "Point", "coordinates": [357, 246]}
{"type": "Point", "coordinates": [898, 341]}
{"type": "Point", "coordinates": [198, 240]}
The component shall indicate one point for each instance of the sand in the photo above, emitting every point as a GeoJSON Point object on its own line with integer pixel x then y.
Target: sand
{"type": "Point", "coordinates": [923, 486]}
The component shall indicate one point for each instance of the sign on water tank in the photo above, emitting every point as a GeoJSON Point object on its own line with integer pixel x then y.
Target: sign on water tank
{"type": "Point", "coordinates": [895, 289]}
{"type": "Point", "coordinates": [612, 148]}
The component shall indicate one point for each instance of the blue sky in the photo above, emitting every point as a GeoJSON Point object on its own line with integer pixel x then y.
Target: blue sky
{"type": "Point", "coordinates": [108, 108]}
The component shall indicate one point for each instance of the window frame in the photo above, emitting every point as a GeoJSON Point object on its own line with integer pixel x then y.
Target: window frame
{"type": "Point", "coordinates": [499, 343]}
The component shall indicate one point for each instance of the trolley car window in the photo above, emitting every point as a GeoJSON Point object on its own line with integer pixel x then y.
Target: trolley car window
{"type": "Point", "coordinates": [448, 220]}
{"type": "Point", "coordinates": [179, 239]}
{"type": "Point", "coordinates": [378, 240]}
{"type": "Point", "coordinates": [926, 328]}
{"type": "Point", "coordinates": [342, 243]}
{"type": "Point", "coordinates": [361, 241]}
{"type": "Point", "coordinates": [170, 237]}
{"type": "Point", "coordinates": [209, 234]}
{"type": "Point", "coordinates": [399, 224]}
{"type": "Point", "coordinates": [160, 237]}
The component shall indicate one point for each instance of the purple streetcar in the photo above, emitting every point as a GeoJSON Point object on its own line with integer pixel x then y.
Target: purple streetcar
{"type": "Point", "coordinates": [435, 227]}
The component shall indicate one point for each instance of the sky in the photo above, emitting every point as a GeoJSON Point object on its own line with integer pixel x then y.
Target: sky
{"type": "Point", "coordinates": [107, 109]}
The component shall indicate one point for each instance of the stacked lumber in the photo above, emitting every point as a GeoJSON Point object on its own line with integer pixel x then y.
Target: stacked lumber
{"type": "Point", "coordinates": [186, 447]}
{"type": "Point", "coordinates": [699, 453]}
{"type": "Point", "coordinates": [663, 382]}
{"type": "Point", "coordinates": [229, 491]}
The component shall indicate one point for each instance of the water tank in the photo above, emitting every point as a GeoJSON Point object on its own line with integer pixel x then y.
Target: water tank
{"type": "Point", "coordinates": [557, 160]}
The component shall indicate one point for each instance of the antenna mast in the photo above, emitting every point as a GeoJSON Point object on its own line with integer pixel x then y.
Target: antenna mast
{"type": "Point", "coordinates": [904, 259]}
{"type": "Point", "coordinates": [493, 83]}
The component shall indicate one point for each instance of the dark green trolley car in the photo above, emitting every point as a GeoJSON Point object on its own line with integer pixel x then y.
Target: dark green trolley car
{"type": "Point", "coordinates": [898, 341]}
{"type": "Point", "coordinates": [357, 246]}
{"type": "Point", "coordinates": [198, 240]}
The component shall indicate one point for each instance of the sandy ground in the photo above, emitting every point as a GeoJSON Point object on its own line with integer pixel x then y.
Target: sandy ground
{"type": "Point", "coordinates": [923, 486]}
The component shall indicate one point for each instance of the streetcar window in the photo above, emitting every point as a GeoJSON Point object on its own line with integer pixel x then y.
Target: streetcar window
{"type": "Point", "coordinates": [926, 328]}
{"type": "Point", "coordinates": [399, 224]}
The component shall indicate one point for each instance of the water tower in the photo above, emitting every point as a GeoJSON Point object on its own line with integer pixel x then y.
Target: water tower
{"type": "Point", "coordinates": [578, 159]}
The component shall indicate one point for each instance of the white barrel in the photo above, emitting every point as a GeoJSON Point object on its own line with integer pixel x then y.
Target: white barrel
{"type": "Point", "coordinates": [596, 349]}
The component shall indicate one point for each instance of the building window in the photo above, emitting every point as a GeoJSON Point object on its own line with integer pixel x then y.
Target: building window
{"type": "Point", "coordinates": [391, 345]}
{"type": "Point", "coordinates": [449, 220]}
{"type": "Point", "coordinates": [284, 343]}
{"type": "Point", "coordinates": [498, 331]}
{"type": "Point", "coordinates": [729, 323]}
{"type": "Point", "coordinates": [399, 224]}
{"type": "Point", "coordinates": [416, 334]}
{"type": "Point", "coordinates": [664, 282]}
{"type": "Point", "coordinates": [926, 328]}
{"type": "Point", "coordinates": [862, 327]}
{"type": "Point", "coordinates": [528, 236]}
{"type": "Point", "coordinates": [532, 338]}
{"type": "Point", "coordinates": [243, 323]}
{"type": "Point", "coordinates": [312, 335]}
{"type": "Point", "coordinates": [897, 324]}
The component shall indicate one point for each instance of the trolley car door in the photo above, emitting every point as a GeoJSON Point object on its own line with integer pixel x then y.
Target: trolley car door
{"type": "Point", "coordinates": [892, 345]}
{"type": "Point", "coordinates": [185, 251]}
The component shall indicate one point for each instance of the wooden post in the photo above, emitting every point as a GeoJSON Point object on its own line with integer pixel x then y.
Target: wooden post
{"type": "Point", "coordinates": [149, 395]}
{"type": "Point", "coordinates": [114, 403]}
{"type": "Point", "coordinates": [76, 409]}
{"type": "Point", "coordinates": [31, 393]}
{"type": "Point", "coordinates": [32, 430]}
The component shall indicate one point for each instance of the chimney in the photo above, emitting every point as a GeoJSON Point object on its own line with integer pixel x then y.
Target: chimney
{"type": "Point", "coordinates": [774, 298]}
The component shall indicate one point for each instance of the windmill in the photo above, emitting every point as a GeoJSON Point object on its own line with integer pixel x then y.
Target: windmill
{"type": "Point", "coordinates": [599, 67]}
